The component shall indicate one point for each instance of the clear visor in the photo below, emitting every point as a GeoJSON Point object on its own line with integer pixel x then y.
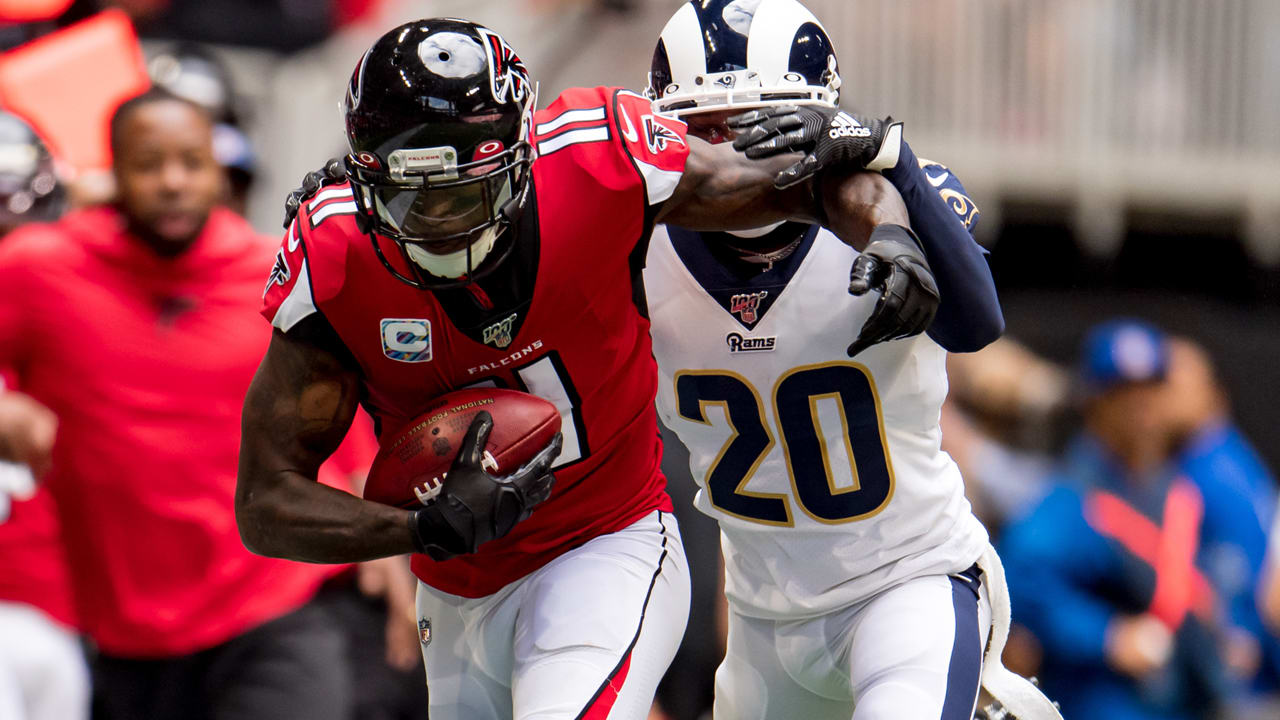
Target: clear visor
{"type": "Point", "coordinates": [437, 211]}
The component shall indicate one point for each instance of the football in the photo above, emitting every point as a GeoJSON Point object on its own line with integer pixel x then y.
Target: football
{"type": "Point", "coordinates": [412, 463]}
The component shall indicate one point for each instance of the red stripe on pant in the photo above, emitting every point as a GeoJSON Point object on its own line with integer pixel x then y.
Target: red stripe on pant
{"type": "Point", "coordinates": [603, 702]}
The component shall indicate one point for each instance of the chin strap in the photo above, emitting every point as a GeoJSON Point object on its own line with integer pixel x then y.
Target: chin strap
{"type": "Point", "coordinates": [459, 262]}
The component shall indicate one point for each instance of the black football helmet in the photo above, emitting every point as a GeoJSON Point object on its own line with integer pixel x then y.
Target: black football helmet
{"type": "Point", "coordinates": [439, 114]}
{"type": "Point", "coordinates": [29, 187]}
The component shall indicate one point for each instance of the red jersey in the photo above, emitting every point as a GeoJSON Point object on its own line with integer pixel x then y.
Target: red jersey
{"type": "Point", "coordinates": [575, 335]}
{"type": "Point", "coordinates": [146, 362]}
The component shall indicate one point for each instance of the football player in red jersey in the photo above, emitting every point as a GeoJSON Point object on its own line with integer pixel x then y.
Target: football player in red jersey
{"type": "Point", "coordinates": [517, 240]}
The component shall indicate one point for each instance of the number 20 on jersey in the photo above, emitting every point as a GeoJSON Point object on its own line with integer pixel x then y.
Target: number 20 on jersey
{"type": "Point", "coordinates": [795, 403]}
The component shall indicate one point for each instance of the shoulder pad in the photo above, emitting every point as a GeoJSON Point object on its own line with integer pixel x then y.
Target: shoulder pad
{"type": "Point", "coordinates": [308, 268]}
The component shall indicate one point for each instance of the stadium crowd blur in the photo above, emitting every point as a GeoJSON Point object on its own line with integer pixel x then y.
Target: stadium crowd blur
{"type": "Point", "coordinates": [1119, 442]}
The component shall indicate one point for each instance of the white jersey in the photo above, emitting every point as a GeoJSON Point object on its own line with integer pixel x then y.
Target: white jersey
{"type": "Point", "coordinates": [825, 473]}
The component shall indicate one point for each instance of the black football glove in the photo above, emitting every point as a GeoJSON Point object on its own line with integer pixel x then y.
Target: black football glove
{"type": "Point", "coordinates": [894, 263]}
{"type": "Point", "coordinates": [332, 173]}
{"type": "Point", "coordinates": [829, 137]}
{"type": "Point", "coordinates": [474, 507]}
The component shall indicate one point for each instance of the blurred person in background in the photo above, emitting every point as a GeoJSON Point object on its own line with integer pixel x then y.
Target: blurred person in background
{"type": "Point", "coordinates": [194, 72]}
{"type": "Point", "coordinates": [1133, 572]}
{"type": "Point", "coordinates": [133, 325]}
{"type": "Point", "coordinates": [43, 675]}
{"type": "Point", "coordinates": [1215, 454]}
{"type": "Point", "coordinates": [870, 600]}
{"type": "Point", "coordinates": [1210, 444]}
{"type": "Point", "coordinates": [372, 602]}
{"type": "Point", "coordinates": [1005, 407]}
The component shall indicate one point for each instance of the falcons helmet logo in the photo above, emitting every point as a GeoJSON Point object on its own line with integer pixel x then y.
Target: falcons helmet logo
{"type": "Point", "coordinates": [508, 77]}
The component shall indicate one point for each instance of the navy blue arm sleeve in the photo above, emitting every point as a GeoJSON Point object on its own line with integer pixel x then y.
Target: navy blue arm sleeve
{"type": "Point", "coordinates": [969, 316]}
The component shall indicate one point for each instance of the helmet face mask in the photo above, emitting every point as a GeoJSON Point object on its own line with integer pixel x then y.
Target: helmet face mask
{"type": "Point", "coordinates": [718, 58]}
{"type": "Point", "coordinates": [446, 219]}
{"type": "Point", "coordinates": [738, 90]}
{"type": "Point", "coordinates": [439, 114]}
{"type": "Point", "coordinates": [436, 208]}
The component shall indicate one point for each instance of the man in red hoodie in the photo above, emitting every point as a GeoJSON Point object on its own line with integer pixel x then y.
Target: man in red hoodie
{"type": "Point", "coordinates": [134, 324]}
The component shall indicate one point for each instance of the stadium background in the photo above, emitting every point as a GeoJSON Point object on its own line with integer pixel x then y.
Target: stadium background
{"type": "Point", "coordinates": [1125, 154]}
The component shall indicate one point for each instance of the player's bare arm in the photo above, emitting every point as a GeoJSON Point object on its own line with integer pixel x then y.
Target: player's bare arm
{"type": "Point", "coordinates": [724, 190]}
{"type": "Point", "coordinates": [297, 411]}
{"type": "Point", "coordinates": [858, 203]}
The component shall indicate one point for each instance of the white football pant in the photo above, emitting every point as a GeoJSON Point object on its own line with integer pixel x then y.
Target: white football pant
{"type": "Point", "coordinates": [589, 635]}
{"type": "Point", "coordinates": [912, 652]}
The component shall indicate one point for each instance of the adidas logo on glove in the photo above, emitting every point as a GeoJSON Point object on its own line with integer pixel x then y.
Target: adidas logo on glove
{"type": "Point", "coordinates": [843, 125]}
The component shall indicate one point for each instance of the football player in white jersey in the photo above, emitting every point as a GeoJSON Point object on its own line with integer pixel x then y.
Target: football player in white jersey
{"type": "Point", "coordinates": [860, 584]}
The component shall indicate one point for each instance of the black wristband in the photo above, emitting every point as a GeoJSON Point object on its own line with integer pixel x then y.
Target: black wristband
{"type": "Point", "coordinates": [899, 233]}
{"type": "Point", "coordinates": [415, 533]}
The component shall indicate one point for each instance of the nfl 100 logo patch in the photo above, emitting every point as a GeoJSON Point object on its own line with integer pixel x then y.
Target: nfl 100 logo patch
{"type": "Point", "coordinates": [747, 305]}
{"type": "Point", "coordinates": [406, 339]}
{"type": "Point", "coordinates": [499, 333]}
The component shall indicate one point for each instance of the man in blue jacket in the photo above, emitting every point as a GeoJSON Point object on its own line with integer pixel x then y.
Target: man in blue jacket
{"type": "Point", "coordinates": [1123, 571]}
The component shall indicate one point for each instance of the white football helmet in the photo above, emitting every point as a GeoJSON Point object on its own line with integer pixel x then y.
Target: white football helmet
{"type": "Point", "coordinates": [718, 55]}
